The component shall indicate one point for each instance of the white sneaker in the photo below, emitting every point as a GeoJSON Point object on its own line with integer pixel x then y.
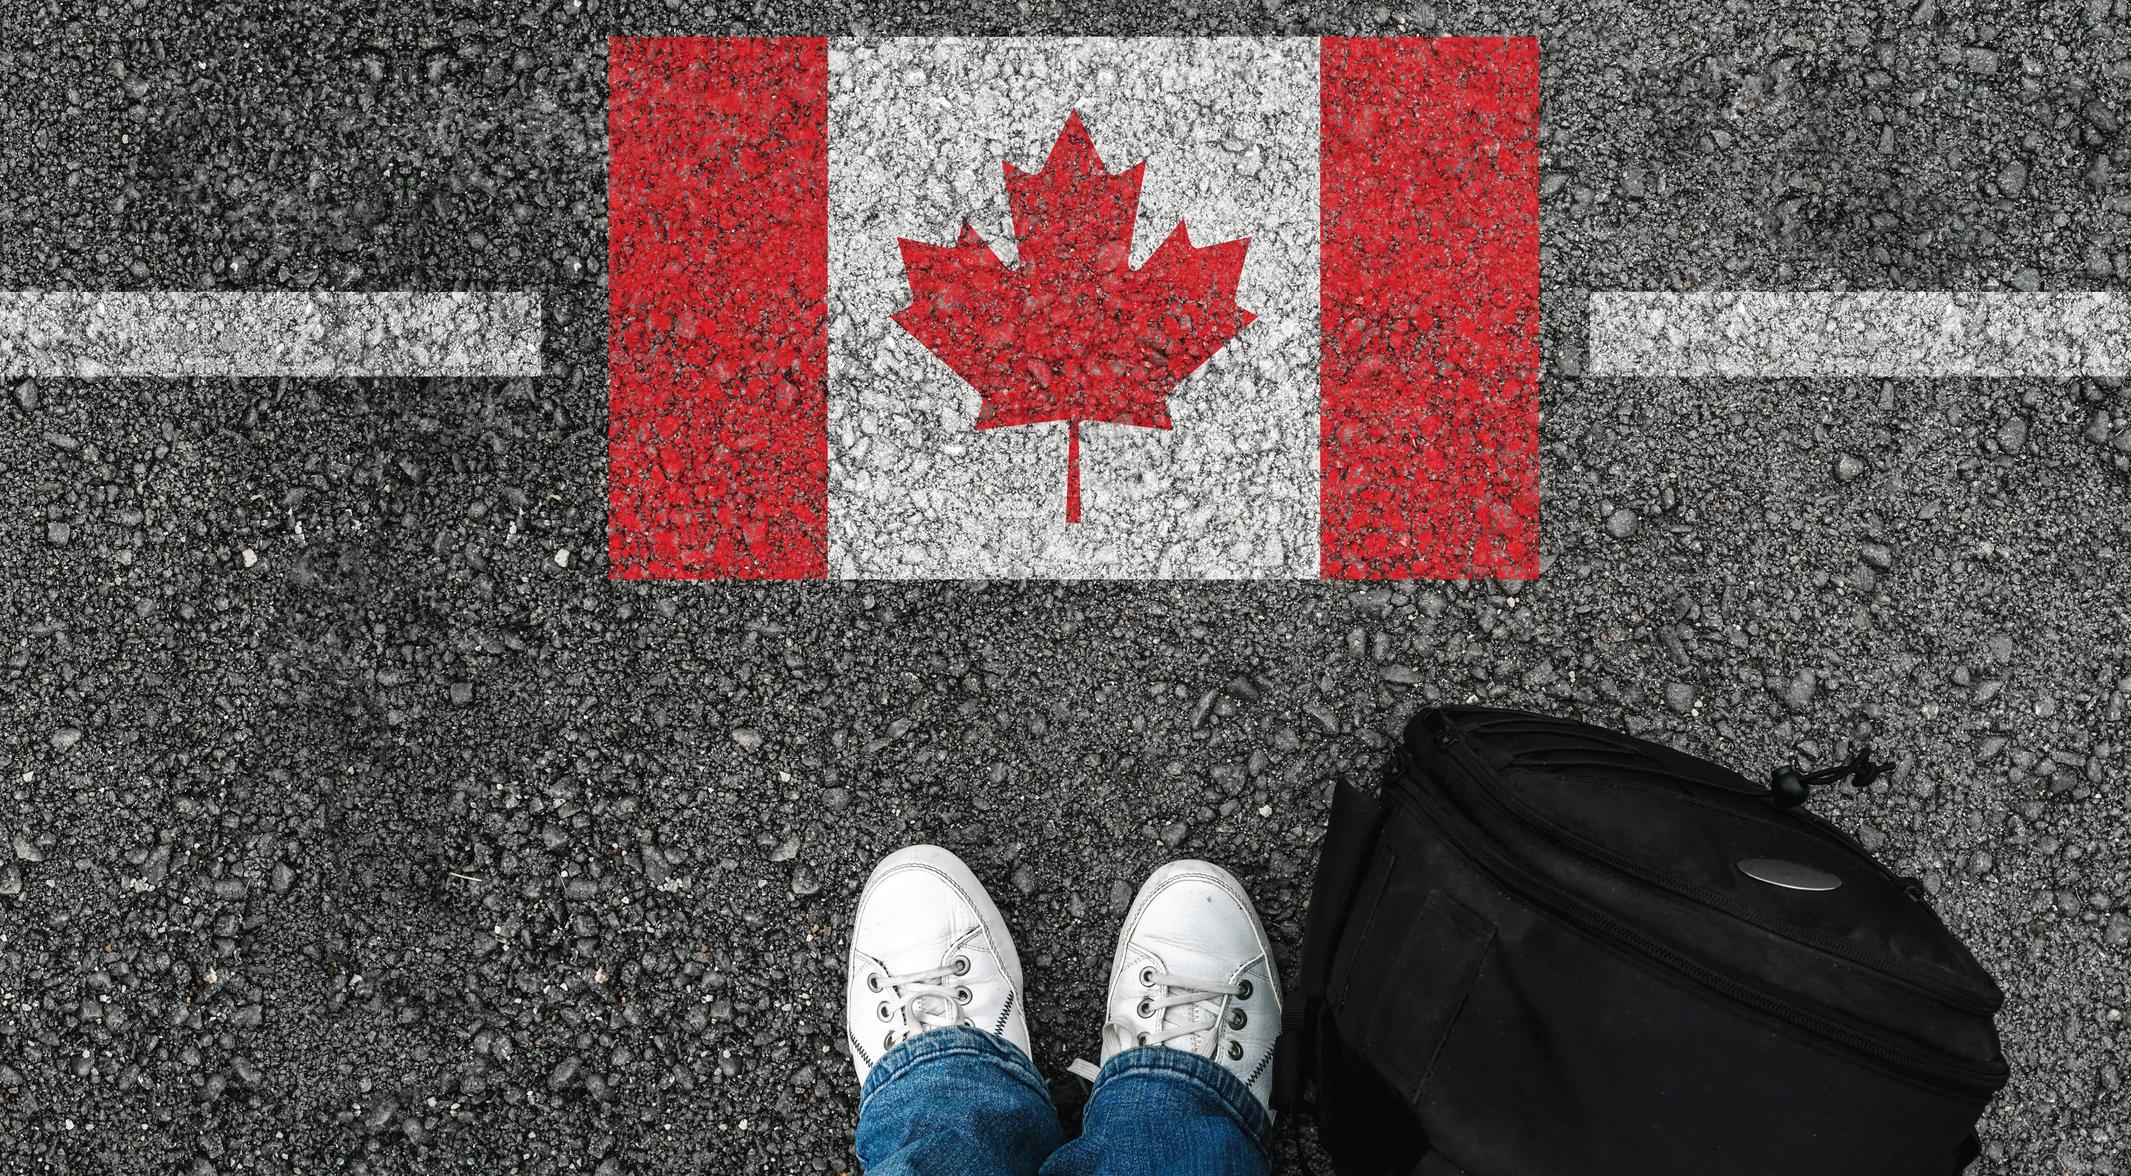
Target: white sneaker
{"type": "Point", "coordinates": [1194, 972]}
{"type": "Point", "coordinates": [928, 950]}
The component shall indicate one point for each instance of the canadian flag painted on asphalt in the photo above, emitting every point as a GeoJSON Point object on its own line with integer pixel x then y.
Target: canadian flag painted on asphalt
{"type": "Point", "coordinates": [1164, 308]}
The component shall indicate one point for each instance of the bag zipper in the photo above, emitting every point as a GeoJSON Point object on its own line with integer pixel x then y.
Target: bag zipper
{"type": "Point", "coordinates": [1926, 981]}
{"type": "Point", "coordinates": [1964, 1077]}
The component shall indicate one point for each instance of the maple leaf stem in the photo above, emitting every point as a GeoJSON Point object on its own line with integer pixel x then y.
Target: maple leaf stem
{"type": "Point", "coordinates": [1073, 470]}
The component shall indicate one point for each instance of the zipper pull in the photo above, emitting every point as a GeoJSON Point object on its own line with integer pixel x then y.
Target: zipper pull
{"type": "Point", "coordinates": [1440, 729]}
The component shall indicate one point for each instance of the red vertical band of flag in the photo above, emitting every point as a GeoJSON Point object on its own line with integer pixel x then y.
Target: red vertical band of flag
{"type": "Point", "coordinates": [717, 352]}
{"type": "Point", "coordinates": [1429, 377]}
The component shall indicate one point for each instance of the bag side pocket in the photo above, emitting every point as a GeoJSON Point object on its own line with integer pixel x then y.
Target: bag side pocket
{"type": "Point", "coordinates": [1406, 979]}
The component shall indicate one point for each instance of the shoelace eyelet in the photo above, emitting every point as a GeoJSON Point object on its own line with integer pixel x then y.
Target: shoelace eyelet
{"type": "Point", "coordinates": [1146, 1009]}
{"type": "Point", "coordinates": [1146, 977]}
{"type": "Point", "coordinates": [883, 1010]}
{"type": "Point", "coordinates": [888, 1041]}
{"type": "Point", "coordinates": [873, 981]}
{"type": "Point", "coordinates": [961, 965]}
{"type": "Point", "coordinates": [1244, 987]}
{"type": "Point", "coordinates": [961, 996]}
{"type": "Point", "coordinates": [1235, 1051]}
{"type": "Point", "coordinates": [1236, 1019]}
{"type": "Point", "coordinates": [1143, 1039]}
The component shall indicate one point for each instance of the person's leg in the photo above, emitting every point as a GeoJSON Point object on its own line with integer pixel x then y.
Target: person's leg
{"type": "Point", "coordinates": [952, 1101]}
{"type": "Point", "coordinates": [1158, 1111]}
{"type": "Point", "coordinates": [1193, 1015]}
{"type": "Point", "coordinates": [932, 1014]}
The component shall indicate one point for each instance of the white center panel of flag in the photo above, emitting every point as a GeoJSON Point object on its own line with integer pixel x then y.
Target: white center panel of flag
{"type": "Point", "coordinates": [918, 132]}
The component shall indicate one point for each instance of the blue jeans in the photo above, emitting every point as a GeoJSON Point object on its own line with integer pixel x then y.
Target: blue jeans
{"type": "Point", "coordinates": [963, 1102]}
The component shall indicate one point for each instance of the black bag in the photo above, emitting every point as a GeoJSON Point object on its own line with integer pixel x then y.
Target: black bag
{"type": "Point", "coordinates": [1547, 948]}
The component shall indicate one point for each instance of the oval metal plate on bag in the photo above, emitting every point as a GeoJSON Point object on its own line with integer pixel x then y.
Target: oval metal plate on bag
{"type": "Point", "coordinates": [1789, 875]}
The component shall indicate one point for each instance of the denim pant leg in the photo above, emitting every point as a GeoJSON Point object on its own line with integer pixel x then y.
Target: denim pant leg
{"type": "Point", "coordinates": [955, 1102]}
{"type": "Point", "coordinates": [1164, 1112]}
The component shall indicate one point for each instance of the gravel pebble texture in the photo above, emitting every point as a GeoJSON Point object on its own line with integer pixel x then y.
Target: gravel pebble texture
{"type": "Point", "coordinates": [353, 820]}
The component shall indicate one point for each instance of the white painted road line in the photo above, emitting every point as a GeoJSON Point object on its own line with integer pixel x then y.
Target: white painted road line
{"type": "Point", "coordinates": [1871, 333]}
{"type": "Point", "coordinates": [261, 333]}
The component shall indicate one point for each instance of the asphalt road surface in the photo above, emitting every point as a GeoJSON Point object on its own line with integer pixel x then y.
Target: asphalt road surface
{"type": "Point", "coordinates": [356, 822]}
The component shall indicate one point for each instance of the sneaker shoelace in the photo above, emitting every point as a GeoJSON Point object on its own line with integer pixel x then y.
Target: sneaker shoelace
{"type": "Point", "coordinates": [925, 1002]}
{"type": "Point", "coordinates": [1186, 990]}
{"type": "Point", "coordinates": [1172, 991]}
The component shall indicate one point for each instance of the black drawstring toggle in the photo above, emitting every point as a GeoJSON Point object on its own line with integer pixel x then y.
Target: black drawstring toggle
{"type": "Point", "coordinates": [1789, 787]}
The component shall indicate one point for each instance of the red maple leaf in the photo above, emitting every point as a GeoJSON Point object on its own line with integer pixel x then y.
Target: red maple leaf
{"type": "Point", "coordinates": [1072, 332]}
